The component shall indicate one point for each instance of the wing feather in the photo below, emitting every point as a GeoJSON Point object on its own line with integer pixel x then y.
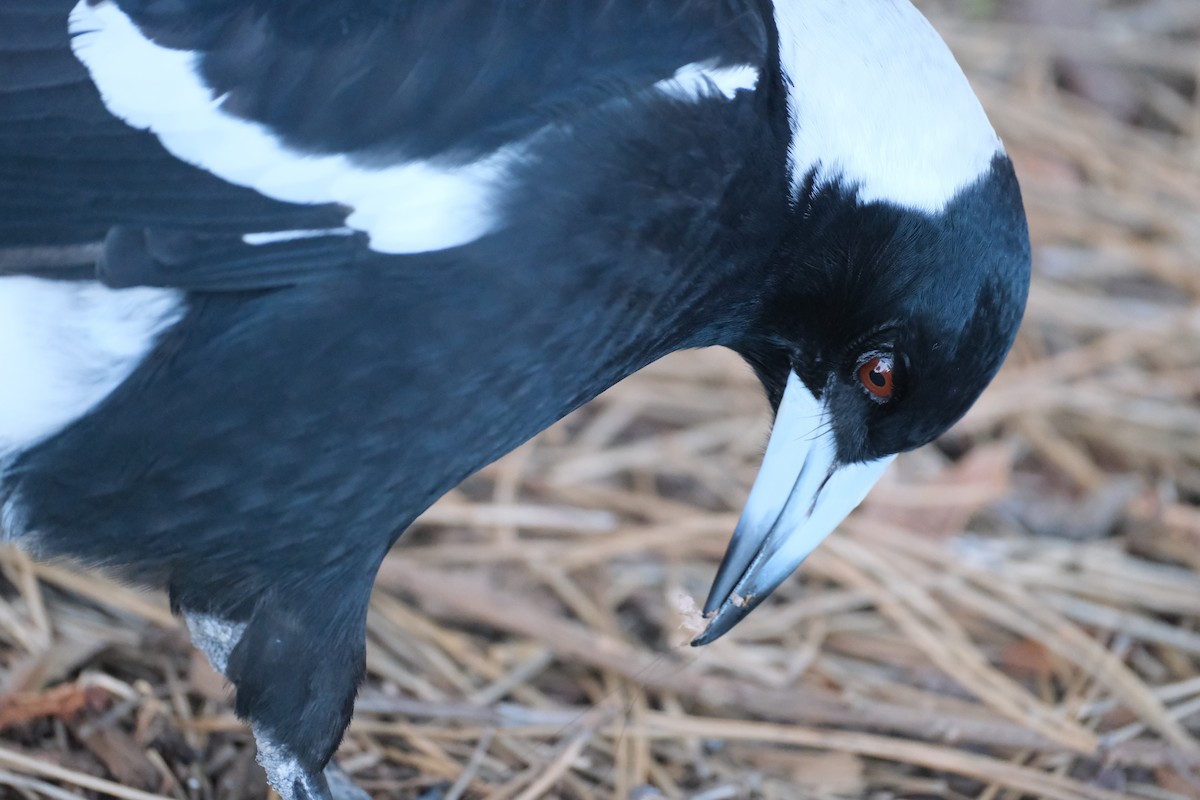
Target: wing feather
{"type": "Point", "coordinates": [396, 119]}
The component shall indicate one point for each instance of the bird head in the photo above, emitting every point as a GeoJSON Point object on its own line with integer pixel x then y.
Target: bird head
{"type": "Point", "coordinates": [893, 297]}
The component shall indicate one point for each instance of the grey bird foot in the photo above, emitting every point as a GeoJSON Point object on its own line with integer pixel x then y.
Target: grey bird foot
{"type": "Point", "coordinates": [306, 786]}
{"type": "Point", "coordinates": [293, 781]}
{"type": "Point", "coordinates": [340, 785]}
{"type": "Point", "coordinates": [331, 784]}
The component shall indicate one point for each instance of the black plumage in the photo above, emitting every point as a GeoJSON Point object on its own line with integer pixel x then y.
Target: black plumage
{"type": "Point", "coordinates": [316, 394]}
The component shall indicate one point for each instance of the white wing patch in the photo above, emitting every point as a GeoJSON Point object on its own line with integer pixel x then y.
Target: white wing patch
{"type": "Point", "coordinates": [271, 237]}
{"type": "Point", "coordinates": [406, 208]}
{"type": "Point", "coordinates": [700, 79]}
{"type": "Point", "coordinates": [411, 207]}
{"type": "Point", "coordinates": [65, 346]}
{"type": "Point", "coordinates": [877, 100]}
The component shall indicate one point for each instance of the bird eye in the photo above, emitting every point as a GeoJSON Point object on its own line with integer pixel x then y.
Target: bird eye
{"type": "Point", "coordinates": [875, 374]}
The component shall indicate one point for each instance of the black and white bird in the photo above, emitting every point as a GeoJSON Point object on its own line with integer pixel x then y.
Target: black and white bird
{"type": "Point", "coordinates": [354, 250]}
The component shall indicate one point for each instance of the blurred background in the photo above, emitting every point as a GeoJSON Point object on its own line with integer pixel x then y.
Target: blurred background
{"type": "Point", "coordinates": [1015, 612]}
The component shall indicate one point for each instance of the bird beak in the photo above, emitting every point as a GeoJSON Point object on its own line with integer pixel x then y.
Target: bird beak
{"type": "Point", "coordinates": [801, 494]}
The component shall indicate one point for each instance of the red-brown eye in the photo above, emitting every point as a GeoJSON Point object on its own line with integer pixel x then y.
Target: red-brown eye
{"type": "Point", "coordinates": [875, 375]}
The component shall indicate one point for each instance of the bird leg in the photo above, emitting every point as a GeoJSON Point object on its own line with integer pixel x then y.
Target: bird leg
{"type": "Point", "coordinates": [278, 691]}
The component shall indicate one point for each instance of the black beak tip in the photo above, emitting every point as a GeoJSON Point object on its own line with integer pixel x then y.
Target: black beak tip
{"type": "Point", "coordinates": [728, 616]}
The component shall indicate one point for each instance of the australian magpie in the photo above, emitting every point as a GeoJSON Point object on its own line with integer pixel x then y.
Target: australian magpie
{"type": "Point", "coordinates": [354, 250]}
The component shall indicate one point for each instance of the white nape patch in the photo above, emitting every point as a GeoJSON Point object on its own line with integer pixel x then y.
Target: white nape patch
{"type": "Point", "coordinates": [405, 208]}
{"type": "Point", "coordinates": [877, 100]}
{"type": "Point", "coordinates": [215, 637]}
{"type": "Point", "coordinates": [65, 346]}
{"type": "Point", "coordinates": [272, 237]}
{"type": "Point", "coordinates": [701, 79]}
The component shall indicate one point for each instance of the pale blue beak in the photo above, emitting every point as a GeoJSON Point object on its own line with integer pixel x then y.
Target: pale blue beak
{"type": "Point", "coordinates": [800, 496]}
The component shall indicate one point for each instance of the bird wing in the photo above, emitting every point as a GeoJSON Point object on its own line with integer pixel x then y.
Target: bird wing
{"type": "Point", "coordinates": [247, 144]}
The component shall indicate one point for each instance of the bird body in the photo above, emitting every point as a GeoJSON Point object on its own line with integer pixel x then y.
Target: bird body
{"type": "Point", "coordinates": [353, 252]}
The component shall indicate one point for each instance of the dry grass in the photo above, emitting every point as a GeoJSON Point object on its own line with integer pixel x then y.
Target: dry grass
{"type": "Point", "coordinates": [1015, 612]}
